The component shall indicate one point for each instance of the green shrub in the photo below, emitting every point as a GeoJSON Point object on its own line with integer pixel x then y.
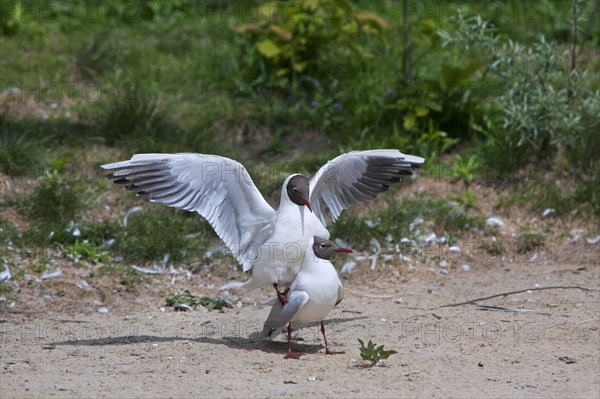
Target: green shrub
{"type": "Point", "coordinates": [155, 232]}
{"type": "Point", "coordinates": [287, 45]}
{"type": "Point", "coordinates": [58, 198]}
{"type": "Point", "coordinates": [548, 107]}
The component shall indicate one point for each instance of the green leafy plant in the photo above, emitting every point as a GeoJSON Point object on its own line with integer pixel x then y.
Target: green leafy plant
{"type": "Point", "coordinates": [465, 169]}
{"type": "Point", "coordinates": [373, 353]}
{"type": "Point", "coordinates": [214, 303]}
{"type": "Point", "coordinates": [467, 199]}
{"type": "Point", "coordinates": [429, 143]}
{"type": "Point", "coordinates": [86, 251]}
{"type": "Point", "coordinates": [288, 42]}
{"type": "Point", "coordinates": [435, 89]}
{"type": "Point", "coordinates": [12, 20]}
{"type": "Point", "coordinates": [187, 298]}
{"type": "Point", "coordinates": [40, 267]}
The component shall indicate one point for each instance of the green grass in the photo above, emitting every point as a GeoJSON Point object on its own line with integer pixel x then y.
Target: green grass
{"type": "Point", "coordinates": [29, 136]}
{"type": "Point", "coordinates": [6, 288]}
{"type": "Point", "coordinates": [100, 234]}
{"type": "Point", "coordinates": [439, 215]}
{"type": "Point", "coordinates": [157, 231]}
{"type": "Point", "coordinates": [529, 242]}
{"type": "Point", "coordinates": [492, 248]}
{"type": "Point", "coordinates": [148, 236]}
{"type": "Point", "coordinates": [20, 151]}
{"type": "Point", "coordinates": [173, 78]}
{"type": "Point", "coordinates": [540, 193]}
{"type": "Point", "coordinates": [8, 231]}
{"type": "Point", "coordinates": [138, 117]}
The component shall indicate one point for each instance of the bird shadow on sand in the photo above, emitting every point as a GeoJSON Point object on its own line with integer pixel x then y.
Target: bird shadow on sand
{"type": "Point", "coordinates": [249, 340]}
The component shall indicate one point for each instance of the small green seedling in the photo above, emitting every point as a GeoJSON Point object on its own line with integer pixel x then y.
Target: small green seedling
{"type": "Point", "coordinates": [372, 353]}
{"type": "Point", "coordinates": [187, 298]}
{"type": "Point", "coordinates": [214, 303]}
{"type": "Point", "coordinates": [86, 251]}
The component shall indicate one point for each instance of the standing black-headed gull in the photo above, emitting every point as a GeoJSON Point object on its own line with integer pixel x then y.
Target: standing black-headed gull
{"type": "Point", "coordinates": [271, 243]}
{"type": "Point", "coordinates": [312, 295]}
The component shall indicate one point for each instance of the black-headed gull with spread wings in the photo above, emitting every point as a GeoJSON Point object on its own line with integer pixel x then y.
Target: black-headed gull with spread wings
{"type": "Point", "coordinates": [271, 243]}
{"type": "Point", "coordinates": [312, 295]}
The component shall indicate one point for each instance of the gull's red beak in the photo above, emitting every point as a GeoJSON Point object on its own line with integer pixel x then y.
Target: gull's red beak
{"type": "Point", "coordinates": [307, 203]}
{"type": "Point", "coordinates": [342, 249]}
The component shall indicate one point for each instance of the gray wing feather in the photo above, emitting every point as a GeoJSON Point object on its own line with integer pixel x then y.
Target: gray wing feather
{"type": "Point", "coordinates": [356, 177]}
{"type": "Point", "coordinates": [280, 316]}
{"type": "Point", "coordinates": [218, 188]}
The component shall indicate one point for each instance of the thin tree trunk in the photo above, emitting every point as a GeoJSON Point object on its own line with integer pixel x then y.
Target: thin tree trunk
{"type": "Point", "coordinates": [407, 44]}
{"type": "Point", "coordinates": [574, 49]}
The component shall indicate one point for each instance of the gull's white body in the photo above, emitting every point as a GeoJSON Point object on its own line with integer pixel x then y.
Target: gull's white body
{"type": "Point", "coordinates": [312, 295]}
{"type": "Point", "coordinates": [282, 253]}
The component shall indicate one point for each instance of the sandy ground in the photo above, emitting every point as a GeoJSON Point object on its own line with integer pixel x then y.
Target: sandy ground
{"type": "Point", "coordinates": [63, 347]}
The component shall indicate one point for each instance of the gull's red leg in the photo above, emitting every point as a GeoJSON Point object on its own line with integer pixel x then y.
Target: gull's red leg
{"type": "Point", "coordinates": [291, 354]}
{"type": "Point", "coordinates": [282, 296]}
{"type": "Point", "coordinates": [327, 351]}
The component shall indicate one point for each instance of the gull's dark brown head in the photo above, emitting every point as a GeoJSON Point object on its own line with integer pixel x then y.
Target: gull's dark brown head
{"type": "Point", "coordinates": [324, 248]}
{"type": "Point", "coordinates": [298, 191]}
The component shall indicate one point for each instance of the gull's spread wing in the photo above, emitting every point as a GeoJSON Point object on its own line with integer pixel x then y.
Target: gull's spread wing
{"type": "Point", "coordinates": [218, 188]}
{"type": "Point", "coordinates": [357, 176]}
